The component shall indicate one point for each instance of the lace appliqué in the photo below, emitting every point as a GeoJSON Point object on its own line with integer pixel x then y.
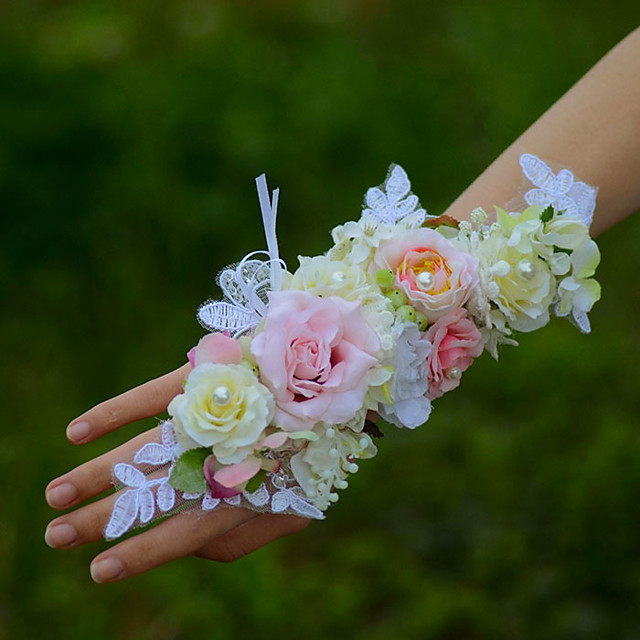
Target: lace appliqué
{"type": "Point", "coordinates": [393, 201]}
{"type": "Point", "coordinates": [562, 191]}
{"type": "Point", "coordinates": [146, 495]}
{"type": "Point", "coordinates": [245, 285]}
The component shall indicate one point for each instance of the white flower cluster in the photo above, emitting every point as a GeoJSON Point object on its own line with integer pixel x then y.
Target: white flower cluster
{"type": "Point", "coordinates": [528, 264]}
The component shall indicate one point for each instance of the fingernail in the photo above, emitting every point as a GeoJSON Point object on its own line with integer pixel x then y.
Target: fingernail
{"type": "Point", "coordinates": [106, 570]}
{"type": "Point", "coordinates": [62, 495]}
{"type": "Point", "coordinates": [78, 431]}
{"type": "Point", "coordinates": [60, 535]}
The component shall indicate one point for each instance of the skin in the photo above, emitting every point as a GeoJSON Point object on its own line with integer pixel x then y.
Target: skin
{"type": "Point", "coordinates": [223, 536]}
{"type": "Point", "coordinates": [594, 129]}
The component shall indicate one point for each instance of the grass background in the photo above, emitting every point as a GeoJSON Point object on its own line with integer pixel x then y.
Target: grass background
{"type": "Point", "coordinates": [130, 135]}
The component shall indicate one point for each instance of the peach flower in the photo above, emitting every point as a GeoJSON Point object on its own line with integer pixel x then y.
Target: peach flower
{"type": "Point", "coordinates": [429, 270]}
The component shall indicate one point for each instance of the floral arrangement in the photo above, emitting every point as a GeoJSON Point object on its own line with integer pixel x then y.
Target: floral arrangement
{"type": "Point", "coordinates": [274, 413]}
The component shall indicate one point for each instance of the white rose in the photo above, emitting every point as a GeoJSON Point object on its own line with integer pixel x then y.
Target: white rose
{"type": "Point", "coordinates": [321, 276]}
{"type": "Point", "coordinates": [223, 407]}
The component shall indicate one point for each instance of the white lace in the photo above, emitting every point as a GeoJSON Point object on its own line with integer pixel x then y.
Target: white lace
{"type": "Point", "coordinates": [147, 495]}
{"type": "Point", "coordinates": [392, 201]}
{"type": "Point", "coordinates": [561, 191]}
{"type": "Point", "coordinates": [245, 287]}
{"type": "Point", "coordinates": [246, 284]}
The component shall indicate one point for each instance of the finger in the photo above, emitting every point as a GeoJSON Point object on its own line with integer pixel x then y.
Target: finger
{"type": "Point", "coordinates": [145, 401]}
{"type": "Point", "coordinates": [86, 524]}
{"type": "Point", "coordinates": [81, 526]}
{"type": "Point", "coordinates": [93, 477]}
{"type": "Point", "coordinates": [174, 538]}
{"type": "Point", "coordinates": [250, 536]}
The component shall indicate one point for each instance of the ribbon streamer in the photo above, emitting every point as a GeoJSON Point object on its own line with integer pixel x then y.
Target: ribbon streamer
{"type": "Point", "coordinates": [269, 208]}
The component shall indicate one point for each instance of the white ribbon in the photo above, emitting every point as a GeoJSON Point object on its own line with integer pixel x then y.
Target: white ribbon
{"type": "Point", "coordinates": [269, 210]}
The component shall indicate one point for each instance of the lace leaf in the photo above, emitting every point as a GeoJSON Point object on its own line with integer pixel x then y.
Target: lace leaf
{"type": "Point", "coordinates": [166, 497]}
{"type": "Point", "coordinates": [226, 316]}
{"type": "Point", "coordinates": [209, 503]}
{"type": "Point", "coordinates": [304, 508]}
{"type": "Point", "coordinates": [146, 503]}
{"type": "Point", "coordinates": [123, 515]}
{"type": "Point", "coordinates": [128, 475]}
{"type": "Point", "coordinates": [258, 498]}
{"type": "Point", "coordinates": [152, 453]}
{"type": "Point", "coordinates": [392, 201]}
{"type": "Point", "coordinates": [280, 502]}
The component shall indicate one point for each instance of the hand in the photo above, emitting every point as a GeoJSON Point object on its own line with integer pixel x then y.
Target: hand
{"type": "Point", "coordinates": [221, 535]}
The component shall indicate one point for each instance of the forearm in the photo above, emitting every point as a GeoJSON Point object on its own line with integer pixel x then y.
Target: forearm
{"type": "Point", "coordinates": [594, 130]}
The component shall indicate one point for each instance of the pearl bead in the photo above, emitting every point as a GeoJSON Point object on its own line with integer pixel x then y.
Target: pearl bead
{"type": "Point", "coordinates": [339, 276]}
{"type": "Point", "coordinates": [526, 269]}
{"type": "Point", "coordinates": [425, 280]}
{"type": "Point", "coordinates": [221, 395]}
{"type": "Point", "coordinates": [454, 373]}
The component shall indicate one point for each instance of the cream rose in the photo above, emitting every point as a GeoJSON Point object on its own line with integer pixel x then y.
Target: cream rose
{"type": "Point", "coordinates": [223, 407]}
{"type": "Point", "coordinates": [526, 288]}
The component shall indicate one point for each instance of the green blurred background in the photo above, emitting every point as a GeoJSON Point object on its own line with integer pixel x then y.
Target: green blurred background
{"type": "Point", "coordinates": [130, 135]}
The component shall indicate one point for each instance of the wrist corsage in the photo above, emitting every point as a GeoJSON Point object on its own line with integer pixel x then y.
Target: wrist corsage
{"type": "Point", "coordinates": [274, 415]}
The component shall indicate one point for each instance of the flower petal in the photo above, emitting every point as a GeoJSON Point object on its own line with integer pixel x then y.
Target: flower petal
{"type": "Point", "coordinates": [233, 475]}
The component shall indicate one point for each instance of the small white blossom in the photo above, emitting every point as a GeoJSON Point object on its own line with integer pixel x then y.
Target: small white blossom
{"type": "Point", "coordinates": [407, 388]}
{"type": "Point", "coordinates": [325, 463]}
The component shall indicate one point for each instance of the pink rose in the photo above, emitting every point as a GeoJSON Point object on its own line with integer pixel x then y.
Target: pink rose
{"type": "Point", "coordinates": [314, 354]}
{"type": "Point", "coordinates": [216, 348]}
{"type": "Point", "coordinates": [432, 273]}
{"type": "Point", "coordinates": [456, 342]}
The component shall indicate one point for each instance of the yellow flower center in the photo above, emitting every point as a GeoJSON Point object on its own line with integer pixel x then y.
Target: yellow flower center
{"type": "Point", "coordinates": [427, 271]}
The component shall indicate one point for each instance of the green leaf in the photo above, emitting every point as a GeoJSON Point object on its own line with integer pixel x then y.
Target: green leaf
{"type": "Point", "coordinates": [547, 214]}
{"type": "Point", "coordinates": [256, 481]}
{"type": "Point", "coordinates": [188, 475]}
{"type": "Point", "coordinates": [562, 250]}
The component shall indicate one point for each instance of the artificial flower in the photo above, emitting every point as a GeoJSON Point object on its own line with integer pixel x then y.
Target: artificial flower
{"type": "Point", "coordinates": [429, 270]}
{"type": "Point", "coordinates": [315, 355]}
{"type": "Point", "coordinates": [223, 407]}
{"type": "Point", "coordinates": [216, 348]}
{"type": "Point", "coordinates": [407, 404]}
{"type": "Point", "coordinates": [578, 292]}
{"type": "Point", "coordinates": [323, 276]}
{"type": "Point", "coordinates": [456, 341]}
{"type": "Point", "coordinates": [324, 464]}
